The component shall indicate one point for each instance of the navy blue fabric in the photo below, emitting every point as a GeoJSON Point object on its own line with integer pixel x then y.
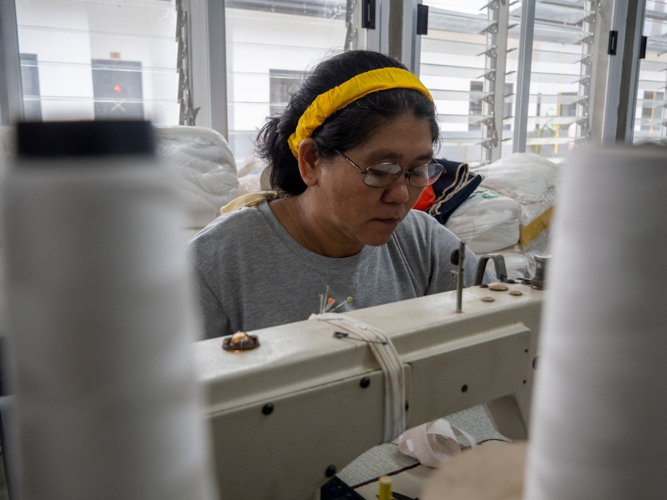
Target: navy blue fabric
{"type": "Point", "coordinates": [453, 187]}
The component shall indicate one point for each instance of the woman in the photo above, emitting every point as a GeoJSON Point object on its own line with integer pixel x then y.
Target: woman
{"type": "Point", "coordinates": [350, 157]}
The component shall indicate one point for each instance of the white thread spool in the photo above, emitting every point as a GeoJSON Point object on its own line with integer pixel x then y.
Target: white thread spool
{"type": "Point", "coordinates": [598, 430]}
{"type": "Point", "coordinates": [100, 320]}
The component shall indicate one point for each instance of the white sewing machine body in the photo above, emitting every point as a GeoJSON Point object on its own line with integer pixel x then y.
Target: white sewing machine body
{"type": "Point", "coordinates": [285, 412]}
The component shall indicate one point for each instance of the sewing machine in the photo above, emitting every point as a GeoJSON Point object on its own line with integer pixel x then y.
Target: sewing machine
{"type": "Point", "coordinates": [288, 414]}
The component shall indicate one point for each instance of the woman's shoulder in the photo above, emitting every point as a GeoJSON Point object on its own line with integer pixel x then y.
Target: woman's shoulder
{"type": "Point", "coordinates": [422, 229]}
{"type": "Point", "coordinates": [237, 228]}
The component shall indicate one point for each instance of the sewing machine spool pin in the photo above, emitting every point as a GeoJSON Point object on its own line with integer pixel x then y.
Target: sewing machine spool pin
{"type": "Point", "coordinates": [542, 263]}
{"type": "Point", "coordinates": [457, 258]}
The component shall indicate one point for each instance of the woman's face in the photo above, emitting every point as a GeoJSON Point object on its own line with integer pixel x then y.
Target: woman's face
{"type": "Point", "coordinates": [367, 215]}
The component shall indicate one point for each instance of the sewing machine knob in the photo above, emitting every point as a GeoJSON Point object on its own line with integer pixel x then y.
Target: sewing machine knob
{"type": "Point", "coordinates": [541, 270]}
{"type": "Point", "coordinates": [240, 341]}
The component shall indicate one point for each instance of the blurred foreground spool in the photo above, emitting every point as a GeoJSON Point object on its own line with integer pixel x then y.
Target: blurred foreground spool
{"type": "Point", "coordinates": [100, 320]}
{"type": "Point", "coordinates": [598, 425]}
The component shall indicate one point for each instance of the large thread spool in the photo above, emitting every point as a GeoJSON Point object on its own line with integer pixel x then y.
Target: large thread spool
{"type": "Point", "coordinates": [598, 428]}
{"type": "Point", "coordinates": [100, 320]}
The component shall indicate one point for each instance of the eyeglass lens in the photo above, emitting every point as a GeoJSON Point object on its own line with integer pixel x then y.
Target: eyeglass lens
{"type": "Point", "coordinates": [386, 173]}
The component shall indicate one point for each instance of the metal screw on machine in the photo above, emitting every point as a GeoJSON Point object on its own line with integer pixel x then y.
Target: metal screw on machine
{"type": "Point", "coordinates": [542, 263]}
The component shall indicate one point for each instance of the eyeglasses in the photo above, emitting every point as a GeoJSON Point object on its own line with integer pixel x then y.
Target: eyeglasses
{"type": "Point", "coordinates": [384, 174]}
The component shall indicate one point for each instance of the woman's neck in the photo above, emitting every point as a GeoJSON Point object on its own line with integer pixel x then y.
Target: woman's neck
{"type": "Point", "coordinates": [303, 219]}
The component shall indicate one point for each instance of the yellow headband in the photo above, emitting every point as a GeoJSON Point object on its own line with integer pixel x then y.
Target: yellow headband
{"type": "Point", "coordinates": [337, 98]}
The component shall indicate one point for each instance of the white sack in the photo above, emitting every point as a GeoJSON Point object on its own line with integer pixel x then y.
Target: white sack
{"type": "Point", "coordinates": [253, 165]}
{"type": "Point", "coordinates": [486, 221]}
{"type": "Point", "coordinates": [206, 168]}
{"type": "Point", "coordinates": [540, 245]}
{"type": "Point", "coordinates": [250, 175]}
{"type": "Point", "coordinates": [528, 179]}
{"type": "Point", "coordinates": [519, 263]}
{"type": "Point", "coordinates": [249, 184]}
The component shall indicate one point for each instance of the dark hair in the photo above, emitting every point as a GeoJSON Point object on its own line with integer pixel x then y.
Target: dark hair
{"type": "Point", "coordinates": [345, 129]}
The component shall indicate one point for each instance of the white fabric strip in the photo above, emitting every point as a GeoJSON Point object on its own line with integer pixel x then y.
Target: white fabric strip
{"type": "Point", "coordinates": [384, 351]}
{"type": "Point", "coordinates": [420, 442]}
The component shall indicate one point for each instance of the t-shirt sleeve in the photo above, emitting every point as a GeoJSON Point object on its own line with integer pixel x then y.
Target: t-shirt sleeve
{"type": "Point", "coordinates": [443, 244]}
{"type": "Point", "coordinates": [215, 322]}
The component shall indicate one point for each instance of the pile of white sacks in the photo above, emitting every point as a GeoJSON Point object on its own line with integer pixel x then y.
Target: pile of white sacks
{"type": "Point", "coordinates": [206, 170]}
{"type": "Point", "coordinates": [510, 212]}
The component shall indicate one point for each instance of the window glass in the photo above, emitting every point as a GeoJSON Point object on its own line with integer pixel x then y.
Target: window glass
{"type": "Point", "coordinates": [456, 66]}
{"type": "Point", "coordinates": [560, 75]}
{"type": "Point", "coordinates": [32, 106]}
{"type": "Point", "coordinates": [475, 105]}
{"type": "Point", "coordinates": [650, 111]}
{"type": "Point", "coordinates": [453, 68]}
{"type": "Point", "coordinates": [117, 89]}
{"type": "Point", "coordinates": [270, 45]}
{"type": "Point", "coordinates": [87, 59]}
{"type": "Point", "coordinates": [282, 85]}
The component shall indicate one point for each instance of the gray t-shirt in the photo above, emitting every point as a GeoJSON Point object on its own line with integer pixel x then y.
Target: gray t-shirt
{"type": "Point", "coordinates": [253, 274]}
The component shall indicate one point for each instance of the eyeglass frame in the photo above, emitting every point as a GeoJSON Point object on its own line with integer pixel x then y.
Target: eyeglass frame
{"type": "Point", "coordinates": [408, 173]}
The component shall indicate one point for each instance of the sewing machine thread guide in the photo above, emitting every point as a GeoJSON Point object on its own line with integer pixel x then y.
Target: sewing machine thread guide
{"type": "Point", "coordinates": [344, 335]}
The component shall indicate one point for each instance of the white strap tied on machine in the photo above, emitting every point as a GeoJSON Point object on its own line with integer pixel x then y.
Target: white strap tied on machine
{"type": "Point", "coordinates": [386, 355]}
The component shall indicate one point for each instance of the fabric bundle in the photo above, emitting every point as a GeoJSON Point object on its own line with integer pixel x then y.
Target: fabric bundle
{"type": "Point", "coordinates": [422, 442]}
{"type": "Point", "coordinates": [505, 207]}
{"type": "Point", "coordinates": [251, 174]}
{"type": "Point", "coordinates": [206, 168]}
{"type": "Point", "coordinates": [531, 181]}
{"type": "Point", "coordinates": [426, 200]}
{"type": "Point", "coordinates": [452, 188]}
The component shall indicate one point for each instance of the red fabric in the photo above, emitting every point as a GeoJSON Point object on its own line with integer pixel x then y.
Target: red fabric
{"type": "Point", "coordinates": [426, 200]}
